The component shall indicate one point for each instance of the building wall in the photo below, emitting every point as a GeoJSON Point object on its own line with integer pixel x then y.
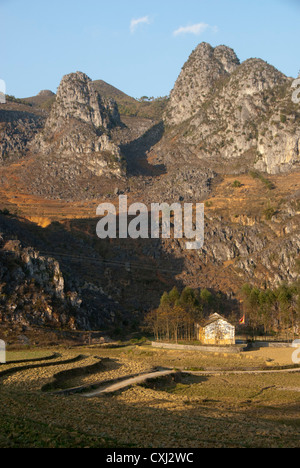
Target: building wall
{"type": "Point", "coordinates": [217, 333]}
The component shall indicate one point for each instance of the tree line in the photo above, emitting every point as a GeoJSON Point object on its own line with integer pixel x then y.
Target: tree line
{"type": "Point", "coordinates": [271, 311]}
{"type": "Point", "coordinates": [267, 312]}
{"type": "Point", "coordinates": [178, 314]}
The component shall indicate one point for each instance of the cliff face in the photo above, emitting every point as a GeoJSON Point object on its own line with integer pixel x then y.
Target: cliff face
{"type": "Point", "coordinates": [18, 127]}
{"type": "Point", "coordinates": [38, 289]}
{"type": "Point", "coordinates": [236, 114]}
{"type": "Point", "coordinates": [32, 289]}
{"type": "Point", "coordinates": [196, 81]}
{"type": "Point", "coordinates": [77, 98]}
{"type": "Point", "coordinates": [78, 127]}
{"type": "Point", "coordinates": [64, 140]}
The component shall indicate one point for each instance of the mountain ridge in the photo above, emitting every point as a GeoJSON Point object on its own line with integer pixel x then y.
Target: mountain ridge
{"type": "Point", "coordinates": [231, 142]}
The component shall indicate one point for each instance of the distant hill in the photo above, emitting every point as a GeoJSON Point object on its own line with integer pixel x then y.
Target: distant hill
{"type": "Point", "coordinates": [128, 106]}
{"type": "Point", "coordinates": [43, 100]}
{"type": "Point", "coordinates": [110, 91]}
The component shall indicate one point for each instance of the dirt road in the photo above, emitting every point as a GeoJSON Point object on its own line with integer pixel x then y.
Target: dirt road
{"type": "Point", "coordinates": [128, 382]}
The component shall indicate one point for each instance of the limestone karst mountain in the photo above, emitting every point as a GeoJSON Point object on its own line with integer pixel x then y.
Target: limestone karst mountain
{"type": "Point", "coordinates": [229, 137]}
{"type": "Point", "coordinates": [197, 79]}
{"type": "Point", "coordinates": [78, 127]}
{"type": "Point", "coordinates": [71, 148]}
{"type": "Point", "coordinates": [72, 139]}
{"type": "Point", "coordinates": [236, 116]}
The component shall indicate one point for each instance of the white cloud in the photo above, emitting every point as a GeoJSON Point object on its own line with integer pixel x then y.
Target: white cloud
{"type": "Point", "coordinates": [195, 29]}
{"type": "Point", "coordinates": [136, 22]}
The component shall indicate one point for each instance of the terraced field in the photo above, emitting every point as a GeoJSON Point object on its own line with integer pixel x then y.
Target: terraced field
{"type": "Point", "coordinates": [207, 408]}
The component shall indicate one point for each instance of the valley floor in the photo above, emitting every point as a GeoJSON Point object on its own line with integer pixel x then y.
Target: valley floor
{"type": "Point", "coordinates": [179, 411]}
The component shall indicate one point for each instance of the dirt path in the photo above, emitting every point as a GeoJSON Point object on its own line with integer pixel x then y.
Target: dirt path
{"type": "Point", "coordinates": [236, 372]}
{"type": "Point", "coordinates": [110, 388]}
{"type": "Point", "coordinates": [129, 382]}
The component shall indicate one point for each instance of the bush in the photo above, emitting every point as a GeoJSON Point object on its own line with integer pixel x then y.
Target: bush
{"type": "Point", "coordinates": [5, 212]}
{"type": "Point", "coordinates": [269, 212]}
{"type": "Point", "coordinates": [283, 118]}
{"type": "Point", "coordinates": [266, 182]}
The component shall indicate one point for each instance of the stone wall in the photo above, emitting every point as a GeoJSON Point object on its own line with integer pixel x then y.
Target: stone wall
{"type": "Point", "coordinates": [207, 349]}
{"type": "Point", "coordinates": [267, 344]}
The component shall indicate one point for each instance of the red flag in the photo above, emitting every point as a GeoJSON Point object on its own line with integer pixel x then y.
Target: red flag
{"type": "Point", "coordinates": [243, 320]}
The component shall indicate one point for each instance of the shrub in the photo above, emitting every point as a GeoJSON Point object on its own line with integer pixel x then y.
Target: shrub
{"type": "Point", "coordinates": [269, 213]}
{"type": "Point", "coordinates": [208, 204]}
{"type": "Point", "coordinates": [266, 182]}
{"type": "Point", "coordinates": [283, 118]}
{"type": "Point", "coordinates": [5, 212]}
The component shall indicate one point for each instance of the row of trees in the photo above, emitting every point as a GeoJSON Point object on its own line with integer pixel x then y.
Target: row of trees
{"type": "Point", "coordinates": [177, 315]}
{"type": "Point", "coordinates": [266, 311]}
{"type": "Point", "coordinates": [273, 310]}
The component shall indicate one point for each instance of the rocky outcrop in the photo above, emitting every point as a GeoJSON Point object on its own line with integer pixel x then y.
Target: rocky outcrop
{"type": "Point", "coordinates": [32, 289]}
{"type": "Point", "coordinates": [182, 185]}
{"type": "Point", "coordinates": [17, 130]}
{"type": "Point", "coordinates": [78, 128]}
{"type": "Point", "coordinates": [238, 116]}
{"type": "Point", "coordinates": [204, 67]}
{"type": "Point", "coordinates": [45, 94]}
{"type": "Point", "coordinates": [41, 288]}
{"type": "Point", "coordinates": [77, 98]}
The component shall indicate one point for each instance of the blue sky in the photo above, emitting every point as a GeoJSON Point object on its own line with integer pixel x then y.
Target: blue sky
{"type": "Point", "coordinates": [139, 46]}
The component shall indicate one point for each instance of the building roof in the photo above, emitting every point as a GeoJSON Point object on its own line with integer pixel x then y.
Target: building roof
{"type": "Point", "coordinates": [214, 318]}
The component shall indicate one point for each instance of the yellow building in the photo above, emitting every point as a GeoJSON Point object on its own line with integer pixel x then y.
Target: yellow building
{"type": "Point", "coordinates": [217, 331]}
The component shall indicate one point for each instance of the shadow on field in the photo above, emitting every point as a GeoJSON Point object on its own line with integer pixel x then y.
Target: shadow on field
{"type": "Point", "coordinates": [169, 383]}
{"type": "Point", "coordinates": [14, 370]}
{"type": "Point", "coordinates": [61, 380]}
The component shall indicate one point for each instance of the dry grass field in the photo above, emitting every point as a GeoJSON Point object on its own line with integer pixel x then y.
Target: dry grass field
{"type": "Point", "coordinates": [248, 200]}
{"type": "Point", "coordinates": [213, 409]}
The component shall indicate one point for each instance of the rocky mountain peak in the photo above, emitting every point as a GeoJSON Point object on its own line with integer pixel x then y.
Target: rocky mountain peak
{"type": "Point", "coordinates": [241, 115]}
{"type": "Point", "coordinates": [76, 136]}
{"type": "Point", "coordinates": [255, 76]}
{"type": "Point", "coordinates": [77, 98]}
{"type": "Point", "coordinates": [227, 57]}
{"type": "Point", "coordinates": [204, 67]}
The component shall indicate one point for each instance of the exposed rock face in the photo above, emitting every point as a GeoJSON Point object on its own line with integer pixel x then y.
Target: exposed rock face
{"type": "Point", "coordinates": [260, 254]}
{"type": "Point", "coordinates": [17, 130]}
{"type": "Point", "coordinates": [77, 98]}
{"type": "Point", "coordinates": [184, 185]}
{"type": "Point", "coordinates": [78, 128]}
{"type": "Point", "coordinates": [37, 289]}
{"type": "Point", "coordinates": [204, 67]}
{"type": "Point", "coordinates": [236, 115]}
{"type": "Point", "coordinates": [32, 289]}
